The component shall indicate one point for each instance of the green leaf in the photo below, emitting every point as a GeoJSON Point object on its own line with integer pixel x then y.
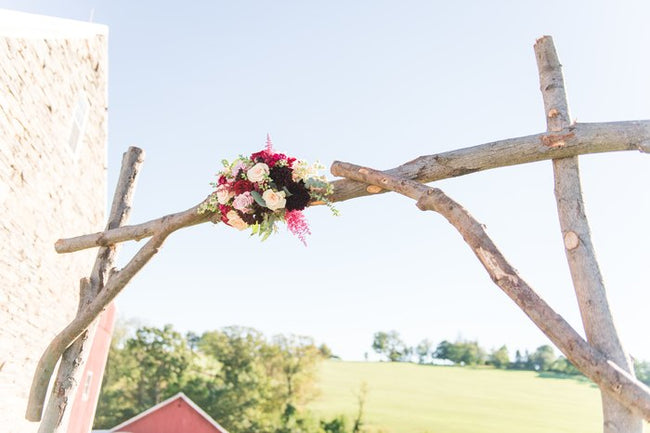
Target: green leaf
{"type": "Point", "coordinates": [258, 198]}
{"type": "Point", "coordinates": [315, 183]}
{"type": "Point", "coordinates": [286, 192]}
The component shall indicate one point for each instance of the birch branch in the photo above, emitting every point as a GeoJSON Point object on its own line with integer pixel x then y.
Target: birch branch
{"type": "Point", "coordinates": [609, 376]}
{"type": "Point", "coordinates": [74, 357]}
{"type": "Point", "coordinates": [578, 139]}
{"type": "Point", "coordinates": [68, 375]}
{"type": "Point", "coordinates": [574, 140]}
{"type": "Point", "coordinates": [585, 272]}
{"type": "Point", "coordinates": [137, 232]}
{"type": "Point", "coordinates": [116, 282]}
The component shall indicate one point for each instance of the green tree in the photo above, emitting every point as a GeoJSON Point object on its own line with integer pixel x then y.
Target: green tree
{"type": "Point", "coordinates": [564, 366]}
{"type": "Point", "coordinates": [642, 371]}
{"type": "Point", "coordinates": [542, 359]}
{"type": "Point", "coordinates": [235, 374]}
{"type": "Point", "coordinates": [162, 356]}
{"type": "Point", "coordinates": [444, 350]}
{"type": "Point", "coordinates": [296, 358]}
{"type": "Point", "coordinates": [520, 361]}
{"type": "Point", "coordinates": [423, 350]}
{"type": "Point", "coordinates": [326, 352]}
{"type": "Point", "coordinates": [460, 352]}
{"type": "Point", "coordinates": [236, 386]}
{"type": "Point", "coordinates": [390, 345]}
{"type": "Point", "coordinates": [361, 404]}
{"type": "Point", "coordinates": [337, 424]}
{"type": "Point", "coordinates": [142, 371]}
{"type": "Point", "coordinates": [500, 358]}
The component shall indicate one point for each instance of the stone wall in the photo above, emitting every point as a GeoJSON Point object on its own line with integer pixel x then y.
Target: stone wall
{"type": "Point", "coordinates": [53, 102]}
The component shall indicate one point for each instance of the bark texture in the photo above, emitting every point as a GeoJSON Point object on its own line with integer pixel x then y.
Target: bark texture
{"type": "Point", "coordinates": [585, 272]}
{"type": "Point", "coordinates": [610, 377]}
{"type": "Point", "coordinates": [574, 140]}
{"type": "Point", "coordinates": [75, 356]}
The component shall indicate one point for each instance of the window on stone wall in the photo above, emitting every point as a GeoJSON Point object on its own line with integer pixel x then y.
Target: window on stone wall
{"type": "Point", "coordinates": [79, 120]}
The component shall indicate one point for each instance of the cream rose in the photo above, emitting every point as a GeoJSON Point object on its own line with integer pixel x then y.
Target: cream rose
{"type": "Point", "coordinates": [274, 199]}
{"type": "Point", "coordinates": [258, 172]}
{"type": "Point", "coordinates": [234, 220]}
{"type": "Point", "coordinates": [224, 194]}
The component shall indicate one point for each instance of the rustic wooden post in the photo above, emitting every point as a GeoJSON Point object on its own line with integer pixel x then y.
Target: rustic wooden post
{"type": "Point", "coordinates": [610, 377]}
{"type": "Point", "coordinates": [585, 273]}
{"type": "Point", "coordinates": [76, 355]}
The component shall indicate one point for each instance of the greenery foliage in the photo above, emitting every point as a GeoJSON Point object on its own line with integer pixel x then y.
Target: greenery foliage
{"type": "Point", "coordinates": [239, 377]}
{"type": "Point", "coordinates": [251, 383]}
{"type": "Point", "coordinates": [391, 346]}
{"type": "Point", "coordinates": [470, 353]}
{"type": "Point", "coordinates": [642, 371]}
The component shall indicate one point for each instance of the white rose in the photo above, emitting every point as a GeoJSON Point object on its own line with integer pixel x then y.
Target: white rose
{"type": "Point", "coordinates": [258, 172]}
{"type": "Point", "coordinates": [234, 220]}
{"type": "Point", "coordinates": [224, 194]}
{"type": "Point", "coordinates": [274, 199]}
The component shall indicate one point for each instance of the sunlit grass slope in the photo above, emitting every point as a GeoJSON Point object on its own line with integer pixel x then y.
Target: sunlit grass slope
{"type": "Point", "coordinates": [409, 398]}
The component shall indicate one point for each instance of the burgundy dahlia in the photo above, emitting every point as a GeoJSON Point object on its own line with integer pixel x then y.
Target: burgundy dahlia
{"type": "Point", "coordinates": [242, 186]}
{"type": "Point", "coordinates": [299, 198]}
{"type": "Point", "coordinates": [281, 176]}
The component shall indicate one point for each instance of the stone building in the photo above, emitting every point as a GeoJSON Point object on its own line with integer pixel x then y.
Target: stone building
{"type": "Point", "coordinates": [53, 108]}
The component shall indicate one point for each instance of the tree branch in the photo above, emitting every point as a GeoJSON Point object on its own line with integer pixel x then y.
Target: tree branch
{"type": "Point", "coordinates": [585, 272]}
{"type": "Point", "coordinates": [578, 139]}
{"type": "Point", "coordinates": [74, 357]}
{"type": "Point", "coordinates": [609, 376]}
{"type": "Point", "coordinates": [137, 232]}
{"type": "Point", "coordinates": [574, 140]}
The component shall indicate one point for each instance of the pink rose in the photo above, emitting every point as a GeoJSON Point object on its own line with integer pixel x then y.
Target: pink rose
{"type": "Point", "coordinates": [243, 202]}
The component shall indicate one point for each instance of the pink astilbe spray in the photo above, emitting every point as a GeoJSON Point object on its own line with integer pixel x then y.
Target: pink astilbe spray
{"type": "Point", "coordinates": [269, 144]}
{"type": "Point", "coordinates": [297, 225]}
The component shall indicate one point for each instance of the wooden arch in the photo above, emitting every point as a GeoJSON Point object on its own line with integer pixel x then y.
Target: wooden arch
{"type": "Point", "coordinates": [626, 401]}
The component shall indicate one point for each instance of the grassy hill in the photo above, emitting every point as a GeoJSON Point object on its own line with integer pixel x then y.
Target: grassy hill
{"type": "Point", "coordinates": [409, 398]}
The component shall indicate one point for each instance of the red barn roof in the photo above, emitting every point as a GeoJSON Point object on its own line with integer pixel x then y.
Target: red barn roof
{"type": "Point", "coordinates": [177, 414]}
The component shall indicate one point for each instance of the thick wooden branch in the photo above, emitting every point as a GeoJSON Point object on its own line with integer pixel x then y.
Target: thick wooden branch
{"type": "Point", "coordinates": [69, 373]}
{"type": "Point", "coordinates": [137, 232]}
{"type": "Point", "coordinates": [116, 282]}
{"type": "Point", "coordinates": [574, 140]}
{"type": "Point", "coordinates": [578, 139]}
{"type": "Point", "coordinates": [609, 376]}
{"type": "Point", "coordinates": [585, 272]}
{"type": "Point", "coordinates": [74, 357]}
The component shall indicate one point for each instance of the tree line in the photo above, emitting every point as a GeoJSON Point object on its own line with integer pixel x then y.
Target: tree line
{"type": "Point", "coordinates": [390, 346]}
{"type": "Point", "coordinates": [245, 381]}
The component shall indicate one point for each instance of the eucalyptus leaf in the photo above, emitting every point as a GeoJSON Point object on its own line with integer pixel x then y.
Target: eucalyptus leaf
{"type": "Point", "coordinates": [258, 198]}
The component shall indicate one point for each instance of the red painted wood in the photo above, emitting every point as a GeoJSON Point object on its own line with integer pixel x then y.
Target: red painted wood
{"type": "Point", "coordinates": [175, 417]}
{"type": "Point", "coordinates": [85, 402]}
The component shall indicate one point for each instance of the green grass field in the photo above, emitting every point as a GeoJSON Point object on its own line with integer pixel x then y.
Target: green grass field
{"type": "Point", "coordinates": [409, 398]}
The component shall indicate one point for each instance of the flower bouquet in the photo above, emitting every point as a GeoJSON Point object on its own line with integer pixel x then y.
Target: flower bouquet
{"type": "Point", "coordinates": [265, 188]}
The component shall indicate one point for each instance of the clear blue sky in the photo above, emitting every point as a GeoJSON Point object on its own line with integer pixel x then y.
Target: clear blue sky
{"type": "Point", "coordinates": [376, 83]}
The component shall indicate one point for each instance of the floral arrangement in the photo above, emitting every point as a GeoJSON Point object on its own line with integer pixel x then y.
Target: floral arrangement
{"type": "Point", "coordinates": [265, 188]}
